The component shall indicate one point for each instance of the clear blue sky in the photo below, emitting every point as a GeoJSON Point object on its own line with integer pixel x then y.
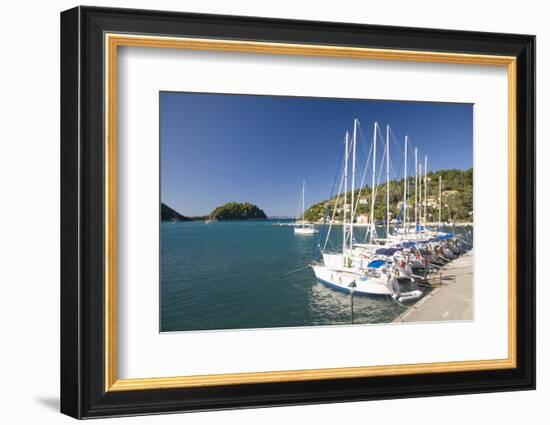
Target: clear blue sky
{"type": "Point", "coordinates": [218, 148]}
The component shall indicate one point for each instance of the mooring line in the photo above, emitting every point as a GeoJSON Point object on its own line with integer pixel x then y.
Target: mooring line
{"type": "Point", "coordinates": [297, 270]}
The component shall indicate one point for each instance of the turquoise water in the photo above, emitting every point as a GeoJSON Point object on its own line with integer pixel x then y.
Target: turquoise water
{"type": "Point", "coordinates": [251, 274]}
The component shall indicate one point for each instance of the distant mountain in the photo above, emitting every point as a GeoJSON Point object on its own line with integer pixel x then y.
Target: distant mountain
{"type": "Point", "coordinates": [168, 214]}
{"type": "Point", "coordinates": [238, 211]}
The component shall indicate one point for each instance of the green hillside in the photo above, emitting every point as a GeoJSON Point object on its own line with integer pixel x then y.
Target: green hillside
{"type": "Point", "coordinates": [457, 198]}
{"type": "Point", "coordinates": [168, 214]}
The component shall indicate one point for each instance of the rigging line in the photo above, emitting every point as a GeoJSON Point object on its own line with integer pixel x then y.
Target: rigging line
{"type": "Point", "coordinates": [334, 212]}
{"type": "Point", "coordinates": [393, 173]}
{"type": "Point", "coordinates": [402, 161]}
{"type": "Point", "coordinates": [411, 162]}
{"type": "Point", "coordinates": [363, 144]}
{"type": "Point", "coordinates": [380, 133]}
{"type": "Point", "coordinates": [395, 141]}
{"type": "Point", "coordinates": [375, 192]}
{"type": "Point", "coordinates": [385, 150]}
{"type": "Point", "coordinates": [328, 203]}
{"type": "Point", "coordinates": [400, 168]}
{"type": "Point", "coordinates": [296, 217]}
{"type": "Point", "coordinates": [379, 175]}
{"type": "Point", "coordinates": [363, 138]}
{"type": "Point", "coordinates": [361, 186]}
{"type": "Point", "coordinates": [394, 138]}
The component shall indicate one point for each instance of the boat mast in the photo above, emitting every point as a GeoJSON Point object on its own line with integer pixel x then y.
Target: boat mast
{"type": "Point", "coordinates": [303, 203]}
{"type": "Point", "coordinates": [439, 202]}
{"type": "Point", "coordinates": [405, 189]}
{"type": "Point", "coordinates": [345, 196]}
{"type": "Point", "coordinates": [353, 183]}
{"type": "Point", "coordinates": [372, 227]}
{"type": "Point", "coordinates": [387, 181]}
{"type": "Point", "coordinates": [415, 188]}
{"type": "Point", "coordinates": [420, 193]}
{"type": "Point", "coordinates": [425, 189]}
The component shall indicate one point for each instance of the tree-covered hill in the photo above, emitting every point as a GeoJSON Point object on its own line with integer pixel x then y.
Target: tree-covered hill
{"type": "Point", "coordinates": [457, 198]}
{"type": "Point", "coordinates": [167, 214]}
{"type": "Point", "coordinates": [238, 211]}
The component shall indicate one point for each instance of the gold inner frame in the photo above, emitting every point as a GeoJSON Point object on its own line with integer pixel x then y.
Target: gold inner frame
{"type": "Point", "coordinates": [113, 41]}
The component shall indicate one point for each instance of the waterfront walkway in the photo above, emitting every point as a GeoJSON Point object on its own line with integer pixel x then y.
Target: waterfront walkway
{"type": "Point", "coordinates": [452, 300]}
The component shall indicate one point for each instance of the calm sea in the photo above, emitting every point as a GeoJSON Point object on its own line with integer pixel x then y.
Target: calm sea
{"type": "Point", "coordinates": [251, 274]}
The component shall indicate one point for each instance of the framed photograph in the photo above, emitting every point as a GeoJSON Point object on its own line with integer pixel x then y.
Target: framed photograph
{"type": "Point", "coordinates": [261, 212]}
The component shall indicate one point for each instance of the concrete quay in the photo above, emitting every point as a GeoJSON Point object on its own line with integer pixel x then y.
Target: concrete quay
{"type": "Point", "coordinates": [452, 298]}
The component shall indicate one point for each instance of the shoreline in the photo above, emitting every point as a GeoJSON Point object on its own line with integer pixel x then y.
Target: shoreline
{"type": "Point", "coordinates": [339, 223]}
{"type": "Point", "coordinates": [290, 222]}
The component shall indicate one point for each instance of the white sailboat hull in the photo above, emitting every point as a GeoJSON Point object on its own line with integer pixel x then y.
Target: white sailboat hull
{"type": "Point", "coordinates": [364, 285]}
{"type": "Point", "coordinates": [336, 260]}
{"type": "Point", "coordinates": [305, 230]}
{"type": "Point", "coordinates": [361, 262]}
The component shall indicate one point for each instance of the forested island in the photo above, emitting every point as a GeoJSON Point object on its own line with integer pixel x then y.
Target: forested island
{"type": "Point", "coordinates": [229, 211]}
{"type": "Point", "coordinates": [456, 199]}
{"type": "Point", "coordinates": [238, 211]}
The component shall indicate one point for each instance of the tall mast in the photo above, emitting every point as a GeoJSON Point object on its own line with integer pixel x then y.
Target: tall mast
{"type": "Point", "coordinates": [415, 188]}
{"type": "Point", "coordinates": [345, 196]}
{"type": "Point", "coordinates": [387, 181]}
{"type": "Point", "coordinates": [420, 193]}
{"type": "Point", "coordinates": [303, 203]}
{"type": "Point", "coordinates": [425, 188]}
{"type": "Point", "coordinates": [405, 189]}
{"type": "Point", "coordinates": [372, 228]}
{"type": "Point", "coordinates": [439, 227]}
{"type": "Point", "coordinates": [354, 143]}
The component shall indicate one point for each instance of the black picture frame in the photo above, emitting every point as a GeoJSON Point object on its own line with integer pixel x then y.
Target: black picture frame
{"type": "Point", "coordinates": [83, 392]}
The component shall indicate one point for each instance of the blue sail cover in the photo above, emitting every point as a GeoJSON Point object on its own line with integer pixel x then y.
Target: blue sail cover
{"type": "Point", "coordinates": [386, 251]}
{"type": "Point", "coordinates": [445, 235]}
{"type": "Point", "coordinates": [376, 264]}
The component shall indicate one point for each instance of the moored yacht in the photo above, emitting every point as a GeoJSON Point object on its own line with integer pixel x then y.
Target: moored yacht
{"type": "Point", "coordinates": [304, 228]}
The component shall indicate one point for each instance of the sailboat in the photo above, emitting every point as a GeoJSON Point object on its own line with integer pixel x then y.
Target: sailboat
{"type": "Point", "coordinates": [346, 271]}
{"type": "Point", "coordinates": [371, 268]}
{"type": "Point", "coordinates": [361, 282]}
{"type": "Point", "coordinates": [209, 220]}
{"type": "Point", "coordinates": [304, 228]}
{"type": "Point", "coordinates": [361, 255]}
